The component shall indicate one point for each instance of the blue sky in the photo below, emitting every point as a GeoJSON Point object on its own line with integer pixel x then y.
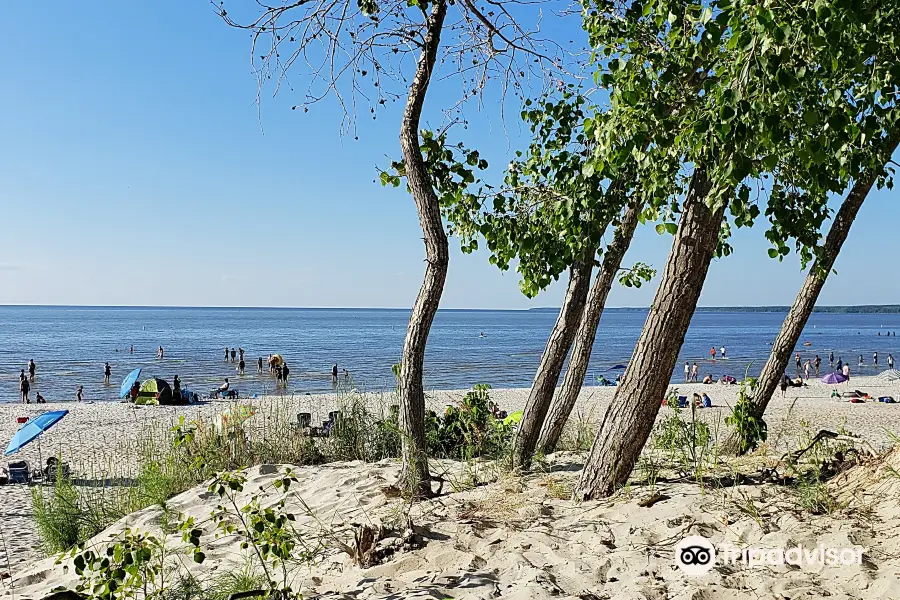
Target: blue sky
{"type": "Point", "coordinates": [135, 168]}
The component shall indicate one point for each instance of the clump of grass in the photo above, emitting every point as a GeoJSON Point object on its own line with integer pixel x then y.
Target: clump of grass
{"type": "Point", "coordinates": [58, 516]}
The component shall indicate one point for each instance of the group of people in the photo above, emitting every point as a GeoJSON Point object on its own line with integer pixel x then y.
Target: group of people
{"type": "Point", "coordinates": [25, 382]}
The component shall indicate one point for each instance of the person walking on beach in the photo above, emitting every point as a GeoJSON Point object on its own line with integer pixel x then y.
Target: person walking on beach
{"type": "Point", "coordinates": [79, 394]}
{"type": "Point", "coordinates": [875, 360]}
{"type": "Point", "coordinates": [797, 362]}
{"type": "Point", "coordinates": [846, 372]}
{"type": "Point", "coordinates": [806, 366]}
{"type": "Point", "coordinates": [890, 361]}
{"type": "Point", "coordinates": [712, 353]}
{"type": "Point", "coordinates": [233, 355]}
{"type": "Point", "coordinates": [106, 373]}
{"type": "Point", "coordinates": [24, 387]}
{"type": "Point", "coordinates": [241, 366]}
{"type": "Point", "coordinates": [31, 369]}
{"type": "Point", "coordinates": [817, 362]}
{"type": "Point", "coordinates": [259, 365]}
{"type": "Point", "coordinates": [784, 384]}
{"type": "Point", "coordinates": [334, 374]}
{"type": "Point", "coordinates": [695, 372]}
{"type": "Point", "coordinates": [687, 371]}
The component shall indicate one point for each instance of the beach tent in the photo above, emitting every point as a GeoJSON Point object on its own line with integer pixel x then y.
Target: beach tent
{"type": "Point", "coordinates": [833, 378]}
{"type": "Point", "coordinates": [155, 391]}
{"type": "Point", "coordinates": [890, 375]}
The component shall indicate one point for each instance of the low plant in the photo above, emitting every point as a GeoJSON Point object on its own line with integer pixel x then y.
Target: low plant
{"type": "Point", "coordinates": [751, 429]}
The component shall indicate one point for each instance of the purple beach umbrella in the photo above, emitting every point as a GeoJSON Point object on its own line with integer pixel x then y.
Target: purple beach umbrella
{"type": "Point", "coordinates": [835, 377]}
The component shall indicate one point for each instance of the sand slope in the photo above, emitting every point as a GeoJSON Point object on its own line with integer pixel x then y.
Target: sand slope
{"type": "Point", "coordinates": [520, 538]}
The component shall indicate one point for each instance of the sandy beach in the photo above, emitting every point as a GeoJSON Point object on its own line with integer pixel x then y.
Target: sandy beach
{"type": "Point", "coordinates": [92, 436]}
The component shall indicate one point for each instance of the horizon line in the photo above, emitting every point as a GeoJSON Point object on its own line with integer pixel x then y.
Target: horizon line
{"type": "Point", "coordinates": [533, 308]}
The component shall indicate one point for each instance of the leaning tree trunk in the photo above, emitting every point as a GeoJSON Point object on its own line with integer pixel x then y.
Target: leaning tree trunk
{"type": "Point", "coordinates": [558, 345]}
{"type": "Point", "coordinates": [562, 405]}
{"type": "Point", "coordinates": [796, 319]}
{"type": "Point", "coordinates": [629, 418]}
{"type": "Point", "coordinates": [415, 477]}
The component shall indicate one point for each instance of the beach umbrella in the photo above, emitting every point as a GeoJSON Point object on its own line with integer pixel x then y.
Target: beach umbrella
{"type": "Point", "coordinates": [833, 378]}
{"type": "Point", "coordinates": [128, 382]}
{"type": "Point", "coordinates": [33, 428]}
{"type": "Point", "coordinates": [890, 375]}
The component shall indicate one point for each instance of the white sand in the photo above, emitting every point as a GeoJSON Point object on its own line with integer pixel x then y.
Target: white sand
{"type": "Point", "coordinates": [567, 544]}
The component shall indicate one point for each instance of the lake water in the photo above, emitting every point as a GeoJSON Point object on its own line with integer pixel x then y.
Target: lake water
{"type": "Point", "coordinates": [71, 344]}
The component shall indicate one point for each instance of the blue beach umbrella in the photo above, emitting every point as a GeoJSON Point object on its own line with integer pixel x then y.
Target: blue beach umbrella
{"type": "Point", "coordinates": [33, 428]}
{"type": "Point", "coordinates": [128, 382]}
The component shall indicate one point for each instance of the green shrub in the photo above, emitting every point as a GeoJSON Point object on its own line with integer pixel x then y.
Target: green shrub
{"type": "Point", "coordinates": [58, 515]}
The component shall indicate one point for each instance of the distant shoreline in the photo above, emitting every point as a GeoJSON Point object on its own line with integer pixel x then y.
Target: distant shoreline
{"type": "Point", "coordinates": [884, 309]}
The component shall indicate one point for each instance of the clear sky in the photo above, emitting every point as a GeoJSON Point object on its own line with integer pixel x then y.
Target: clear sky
{"type": "Point", "coordinates": [135, 168]}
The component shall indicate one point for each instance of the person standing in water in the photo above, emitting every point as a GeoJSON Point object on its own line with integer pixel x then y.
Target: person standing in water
{"type": "Point", "coordinates": [79, 394]}
{"type": "Point", "coordinates": [241, 353]}
{"type": "Point", "coordinates": [695, 372]}
{"type": "Point", "coordinates": [334, 371]}
{"type": "Point", "coordinates": [132, 349]}
{"type": "Point", "coordinates": [875, 360]}
{"type": "Point", "coordinates": [226, 353]}
{"type": "Point", "coordinates": [816, 363]}
{"type": "Point", "coordinates": [31, 369]}
{"type": "Point", "coordinates": [687, 371]}
{"type": "Point", "coordinates": [24, 387]}
{"type": "Point", "coordinates": [712, 353]}
{"type": "Point", "coordinates": [106, 373]}
{"type": "Point", "coordinates": [284, 374]}
{"type": "Point", "coordinates": [241, 366]}
{"type": "Point", "coordinates": [797, 362]}
{"type": "Point", "coordinates": [860, 361]}
{"type": "Point", "coordinates": [806, 366]}
{"type": "Point", "coordinates": [890, 361]}
{"type": "Point", "coordinates": [233, 355]}
{"type": "Point", "coordinates": [723, 352]}
{"type": "Point", "coordinates": [259, 365]}
{"type": "Point", "coordinates": [831, 358]}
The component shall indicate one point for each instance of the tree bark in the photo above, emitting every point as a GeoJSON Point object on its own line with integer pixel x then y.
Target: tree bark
{"type": "Point", "coordinates": [558, 345]}
{"type": "Point", "coordinates": [797, 317]}
{"type": "Point", "coordinates": [415, 477]}
{"type": "Point", "coordinates": [561, 407]}
{"type": "Point", "coordinates": [628, 420]}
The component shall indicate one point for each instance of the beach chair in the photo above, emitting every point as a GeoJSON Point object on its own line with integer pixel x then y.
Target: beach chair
{"type": "Point", "coordinates": [19, 472]}
{"type": "Point", "coordinates": [304, 420]}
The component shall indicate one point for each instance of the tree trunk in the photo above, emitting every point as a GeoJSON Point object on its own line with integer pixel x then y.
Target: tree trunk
{"type": "Point", "coordinates": [562, 405]}
{"type": "Point", "coordinates": [628, 420]}
{"type": "Point", "coordinates": [558, 345]}
{"type": "Point", "coordinates": [796, 319]}
{"type": "Point", "coordinates": [415, 477]}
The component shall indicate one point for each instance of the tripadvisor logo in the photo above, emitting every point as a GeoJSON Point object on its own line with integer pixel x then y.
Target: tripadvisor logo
{"type": "Point", "coordinates": [695, 556]}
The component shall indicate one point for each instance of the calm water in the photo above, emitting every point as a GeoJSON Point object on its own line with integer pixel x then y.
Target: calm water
{"type": "Point", "coordinates": [71, 344]}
